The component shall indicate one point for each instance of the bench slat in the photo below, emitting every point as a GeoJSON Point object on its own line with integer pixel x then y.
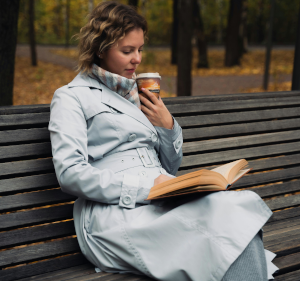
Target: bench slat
{"type": "Point", "coordinates": [286, 247]}
{"type": "Point", "coordinates": [284, 202]}
{"type": "Point", "coordinates": [284, 214]}
{"type": "Point", "coordinates": [230, 106]}
{"type": "Point", "coordinates": [237, 117]}
{"type": "Point", "coordinates": [291, 276]}
{"type": "Point", "coordinates": [43, 215]}
{"type": "Point", "coordinates": [239, 129]}
{"type": "Point", "coordinates": [58, 273]}
{"type": "Point", "coordinates": [24, 119]}
{"type": "Point", "coordinates": [37, 233]}
{"type": "Point", "coordinates": [34, 199]}
{"type": "Point", "coordinates": [38, 251]}
{"type": "Point", "coordinates": [230, 155]}
{"type": "Point", "coordinates": [23, 109]}
{"type": "Point", "coordinates": [27, 166]}
{"type": "Point", "coordinates": [22, 135]}
{"type": "Point", "coordinates": [242, 141]}
{"type": "Point", "coordinates": [229, 97]}
{"type": "Point", "coordinates": [42, 267]}
{"type": "Point", "coordinates": [28, 183]}
{"type": "Point", "coordinates": [36, 149]}
{"type": "Point", "coordinates": [282, 224]}
{"type": "Point", "coordinates": [287, 263]}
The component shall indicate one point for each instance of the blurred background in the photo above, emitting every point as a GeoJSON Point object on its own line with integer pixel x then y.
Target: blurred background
{"type": "Point", "coordinates": [214, 46]}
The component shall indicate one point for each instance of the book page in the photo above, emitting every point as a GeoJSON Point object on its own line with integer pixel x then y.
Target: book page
{"type": "Point", "coordinates": [240, 174]}
{"type": "Point", "coordinates": [230, 170]}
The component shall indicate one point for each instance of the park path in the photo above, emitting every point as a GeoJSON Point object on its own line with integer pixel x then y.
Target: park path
{"type": "Point", "coordinates": [201, 85]}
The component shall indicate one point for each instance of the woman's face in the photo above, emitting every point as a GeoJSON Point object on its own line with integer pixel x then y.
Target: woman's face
{"type": "Point", "coordinates": [124, 57]}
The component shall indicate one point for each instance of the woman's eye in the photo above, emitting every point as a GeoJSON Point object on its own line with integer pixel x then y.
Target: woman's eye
{"type": "Point", "coordinates": [140, 50]}
{"type": "Point", "coordinates": [126, 53]}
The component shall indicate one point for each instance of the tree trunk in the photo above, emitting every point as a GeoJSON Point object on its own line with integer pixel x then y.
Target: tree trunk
{"type": "Point", "coordinates": [243, 30]}
{"type": "Point", "coordinates": [134, 3]}
{"type": "Point", "coordinates": [233, 49]}
{"type": "Point", "coordinates": [174, 42]}
{"type": "Point", "coordinates": [67, 23]}
{"type": "Point", "coordinates": [296, 71]}
{"type": "Point", "coordinates": [200, 37]}
{"type": "Point", "coordinates": [185, 32]}
{"type": "Point", "coordinates": [8, 33]}
{"type": "Point", "coordinates": [32, 33]}
{"type": "Point", "coordinates": [91, 5]}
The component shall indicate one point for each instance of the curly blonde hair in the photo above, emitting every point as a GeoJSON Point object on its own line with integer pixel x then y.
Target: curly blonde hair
{"type": "Point", "coordinates": [108, 23]}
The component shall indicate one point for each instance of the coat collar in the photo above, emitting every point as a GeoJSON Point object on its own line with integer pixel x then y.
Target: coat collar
{"type": "Point", "coordinates": [112, 99]}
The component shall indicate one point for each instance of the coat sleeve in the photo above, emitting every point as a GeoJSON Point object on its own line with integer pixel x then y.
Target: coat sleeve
{"type": "Point", "coordinates": [170, 149]}
{"type": "Point", "coordinates": [68, 134]}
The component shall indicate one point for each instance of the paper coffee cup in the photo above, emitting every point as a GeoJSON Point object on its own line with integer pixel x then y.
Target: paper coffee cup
{"type": "Point", "coordinates": [150, 81]}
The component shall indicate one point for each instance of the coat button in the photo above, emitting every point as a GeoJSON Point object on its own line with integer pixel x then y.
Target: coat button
{"type": "Point", "coordinates": [154, 138]}
{"type": "Point", "coordinates": [163, 171]}
{"type": "Point", "coordinates": [132, 137]}
{"type": "Point", "coordinates": [126, 200]}
{"type": "Point", "coordinates": [143, 173]}
{"type": "Point", "coordinates": [177, 145]}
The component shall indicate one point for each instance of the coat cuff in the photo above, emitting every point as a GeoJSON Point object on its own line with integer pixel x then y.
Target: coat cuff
{"type": "Point", "coordinates": [173, 136]}
{"type": "Point", "coordinates": [134, 190]}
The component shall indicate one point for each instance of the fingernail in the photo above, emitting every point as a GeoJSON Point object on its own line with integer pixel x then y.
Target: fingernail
{"type": "Point", "coordinates": [143, 89]}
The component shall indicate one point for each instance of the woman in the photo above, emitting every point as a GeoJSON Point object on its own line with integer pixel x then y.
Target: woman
{"type": "Point", "coordinates": [109, 150]}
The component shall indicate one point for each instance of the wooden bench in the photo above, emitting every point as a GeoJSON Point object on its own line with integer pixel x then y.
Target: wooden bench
{"type": "Point", "coordinates": [37, 237]}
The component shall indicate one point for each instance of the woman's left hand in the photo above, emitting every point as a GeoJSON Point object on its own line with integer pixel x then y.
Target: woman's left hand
{"type": "Point", "coordinates": [156, 111]}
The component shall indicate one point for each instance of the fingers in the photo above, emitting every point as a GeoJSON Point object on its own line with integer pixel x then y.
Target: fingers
{"type": "Point", "coordinates": [150, 95]}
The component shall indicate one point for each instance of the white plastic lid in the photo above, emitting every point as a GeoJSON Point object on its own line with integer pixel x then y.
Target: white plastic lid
{"type": "Point", "coordinates": [148, 75]}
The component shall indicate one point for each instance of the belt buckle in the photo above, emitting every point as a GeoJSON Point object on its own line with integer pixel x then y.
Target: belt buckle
{"type": "Point", "coordinates": [139, 150]}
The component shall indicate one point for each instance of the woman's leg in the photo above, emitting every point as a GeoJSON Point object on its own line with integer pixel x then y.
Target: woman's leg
{"type": "Point", "coordinates": [251, 265]}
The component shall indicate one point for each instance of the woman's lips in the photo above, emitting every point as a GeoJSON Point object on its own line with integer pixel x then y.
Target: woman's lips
{"type": "Point", "coordinates": [130, 70]}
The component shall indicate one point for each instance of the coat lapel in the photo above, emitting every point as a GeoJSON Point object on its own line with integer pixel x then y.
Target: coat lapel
{"type": "Point", "coordinates": [114, 100]}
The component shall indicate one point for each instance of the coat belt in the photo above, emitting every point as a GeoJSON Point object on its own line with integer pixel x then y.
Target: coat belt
{"type": "Point", "coordinates": [120, 161]}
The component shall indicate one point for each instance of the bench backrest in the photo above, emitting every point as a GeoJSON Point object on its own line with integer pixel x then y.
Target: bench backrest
{"type": "Point", "coordinates": [36, 227]}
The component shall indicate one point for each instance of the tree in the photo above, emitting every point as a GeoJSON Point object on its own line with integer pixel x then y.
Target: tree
{"type": "Point", "coordinates": [200, 36]}
{"type": "Point", "coordinates": [296, 71]}
{"type": "Point", "coordinates": [174, 42]}
{"type": "Point", "coordinates": [185, 32]}
{"type": "Point", "coordinates": [134, 3]}
{"type": "Point", "coordinates": [67, 19]}
{"type": "Point", "coordinates": [8, 34]}
{"type": "Point", "coordinates": [91, 5]}
{"type": "Point", "coordinates": [32, 32]}
{"type": "Point", "coordinates": [233, 47]}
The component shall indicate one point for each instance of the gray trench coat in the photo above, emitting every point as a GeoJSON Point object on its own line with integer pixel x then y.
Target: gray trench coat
{"type": "Point", "coordinates": [107, 153]}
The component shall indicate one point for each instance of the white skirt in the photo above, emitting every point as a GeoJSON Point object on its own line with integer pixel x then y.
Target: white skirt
{"type": "Point", "coordinates": [183, 240]}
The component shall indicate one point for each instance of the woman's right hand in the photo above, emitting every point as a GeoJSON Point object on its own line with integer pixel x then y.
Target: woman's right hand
{"type": "Point", "coordinates": [161, 178]}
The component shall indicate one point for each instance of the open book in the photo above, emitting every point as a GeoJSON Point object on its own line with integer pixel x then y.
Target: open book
{"type": "Point", "coordinates": [203, 180]}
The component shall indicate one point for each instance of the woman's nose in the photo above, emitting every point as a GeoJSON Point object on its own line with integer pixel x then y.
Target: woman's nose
{"type": "Point", "coordinates": [137, 58]}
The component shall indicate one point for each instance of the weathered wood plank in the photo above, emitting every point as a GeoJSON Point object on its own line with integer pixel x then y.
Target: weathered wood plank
{"type": "Point", "coordinates": [269, 177]}
{"type": "Point", "coordinates": [282, 224]}
{"type": "Point", "coordinates": [230, 155]}
{"type": "Point", "coordinates": [43, 215]}
{"type": "Point", "coordinates": [283, 202]}
{"type": "Point", "coordinates": [237, 117]}
{"type": "Point", "coordinates": [24, 119]}
{"type": "Point", "coordinates": [22, 135]}
{"type": "Point", "coordinates": [23, 109]}
{"type": "Point", "coordinates": [37, 233]}
{"type": "Point", "coordinates": [23, 150]}
{"type": "Point", "coordinates": [288, 263]}
{"type": "Point", "coordinates": [34, 199]}
{"type": "Point", "coordinates": [58, 273]}
{"type": "Point", "coordinates": [276, 236]}
{"type": "Point", "coordinates": [28, 183]}
{"type": "Point", "coordinates": [291, 276]}
{"type": "Point", "coordinates": [231, 106]}
{"type": "Point", "coordinates": [228, 97]}
{"type": "Point", "coordinates": [41, 267]}
{"type": "Point", "coordinates": [285, 247]}
{"type": "Point", "coordinates": [38, 251]}
{"type": "Point", "coordinates": [240, 129]}
{"type": "Point", "coordinates": [277, 189]}
{"type": "Point", "coordinates": [26, 166]}
{"type": "Point", "coordinates": [241, 141]}
{"type": "Point", "coordinates": [284, 214]}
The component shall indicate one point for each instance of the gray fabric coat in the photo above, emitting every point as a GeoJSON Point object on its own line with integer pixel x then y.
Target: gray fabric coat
{"type": "Point", "coordinates": [106, 152]}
